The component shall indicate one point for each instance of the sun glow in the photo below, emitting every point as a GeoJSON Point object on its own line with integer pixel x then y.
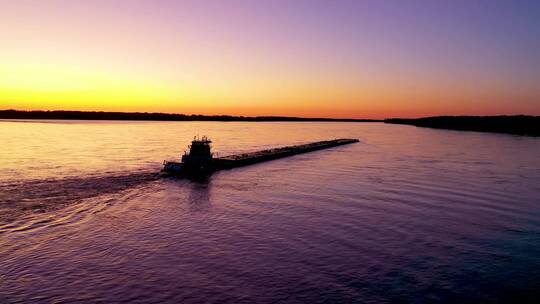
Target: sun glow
{"type": "Point", "coordinates": [261, 59]}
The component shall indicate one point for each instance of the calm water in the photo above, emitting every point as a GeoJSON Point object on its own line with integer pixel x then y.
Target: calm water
{"type": "Point", "coordinates": [407, 215]}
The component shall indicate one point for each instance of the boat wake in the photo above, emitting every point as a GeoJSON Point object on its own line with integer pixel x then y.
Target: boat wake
{"type": "Point", "coordinates": [37, 196]}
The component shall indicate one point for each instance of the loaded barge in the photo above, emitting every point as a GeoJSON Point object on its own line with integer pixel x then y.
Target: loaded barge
{"type": "Point", "coordinates": [200, 161]}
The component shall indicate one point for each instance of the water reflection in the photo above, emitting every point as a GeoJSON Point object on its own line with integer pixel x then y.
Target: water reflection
{"type": "Point", "coordinates": [200, 195]}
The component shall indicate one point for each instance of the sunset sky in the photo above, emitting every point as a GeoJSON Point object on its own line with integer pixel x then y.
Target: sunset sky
{"type": "Point", "coordinates": [358, 59]}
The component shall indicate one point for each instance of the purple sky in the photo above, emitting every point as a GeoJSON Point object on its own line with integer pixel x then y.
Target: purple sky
{"type": "Point", "coordinates": [331, 58]}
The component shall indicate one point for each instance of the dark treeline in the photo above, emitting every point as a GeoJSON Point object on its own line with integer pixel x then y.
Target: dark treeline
{"type": "Point", "coordinates": [517, 124]}
{"type": "Point", "coordinates": [83, 115]}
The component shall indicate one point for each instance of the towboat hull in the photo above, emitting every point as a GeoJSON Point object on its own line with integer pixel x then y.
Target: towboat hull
{"type": "Point", "coordinates": [173, 168]}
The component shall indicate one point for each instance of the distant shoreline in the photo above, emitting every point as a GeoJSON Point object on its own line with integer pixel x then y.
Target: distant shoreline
{"type": "Point", "coordinates": [506, 124]}
{"type": "Point", "coordinates": [143, 116]}
{"type": "Point", "coordinates": [516, 124]}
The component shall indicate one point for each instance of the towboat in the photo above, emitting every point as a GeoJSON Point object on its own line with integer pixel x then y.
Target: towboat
{"type": "Point", "coordinates": [196, 163]}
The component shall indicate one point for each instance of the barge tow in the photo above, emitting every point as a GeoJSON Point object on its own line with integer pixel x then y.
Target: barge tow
{"type": "Point", "coordinates": [200, 160]}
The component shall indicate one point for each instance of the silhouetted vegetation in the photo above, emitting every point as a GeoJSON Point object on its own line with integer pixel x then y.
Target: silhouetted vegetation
{"type": "Point", "coordinates": [517, 124]}
{"type": "Point", "coordinates": [83, 115]}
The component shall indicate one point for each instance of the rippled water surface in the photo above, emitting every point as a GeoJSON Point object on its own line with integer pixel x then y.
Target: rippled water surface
{"type": "Point", "coordinates": [407, 215]}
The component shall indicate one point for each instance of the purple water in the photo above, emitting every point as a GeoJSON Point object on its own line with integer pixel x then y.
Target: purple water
{"type": "Point", "coordinates": [408, 215]}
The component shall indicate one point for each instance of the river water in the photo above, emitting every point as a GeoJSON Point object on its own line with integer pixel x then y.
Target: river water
{"type": "Point", "coordinates": [409, 215]}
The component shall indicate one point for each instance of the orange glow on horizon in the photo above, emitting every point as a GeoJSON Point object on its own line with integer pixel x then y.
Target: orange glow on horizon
{"type": "Point", "coordinates": [199, 58]}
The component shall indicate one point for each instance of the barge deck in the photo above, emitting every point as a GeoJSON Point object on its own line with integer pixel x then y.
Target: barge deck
{"type": "Point", "coordinates": [244, 159]}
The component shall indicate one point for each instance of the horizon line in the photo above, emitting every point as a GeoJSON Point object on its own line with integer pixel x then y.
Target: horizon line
{"type": "Point", "coordinates": [145, 115]}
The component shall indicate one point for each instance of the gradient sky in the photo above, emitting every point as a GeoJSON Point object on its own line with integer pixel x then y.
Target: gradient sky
{"type": "Point", "coordinates": [362, 59]}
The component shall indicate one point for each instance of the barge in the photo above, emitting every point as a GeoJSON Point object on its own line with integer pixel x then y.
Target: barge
{"type": "Point", "coordinates": [200, 161]}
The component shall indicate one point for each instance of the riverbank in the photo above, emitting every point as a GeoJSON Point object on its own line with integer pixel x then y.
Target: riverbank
{"type": "Point", "coordinates": [90, 115]}
{"type": "Point", "coordinates": [517, 124]}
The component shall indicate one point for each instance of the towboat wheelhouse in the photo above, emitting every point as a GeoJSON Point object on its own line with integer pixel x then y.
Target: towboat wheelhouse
{"type": "Point", "coordinates": [199, 158]}
{"type": "Point", "coordinates": [197, 162]}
